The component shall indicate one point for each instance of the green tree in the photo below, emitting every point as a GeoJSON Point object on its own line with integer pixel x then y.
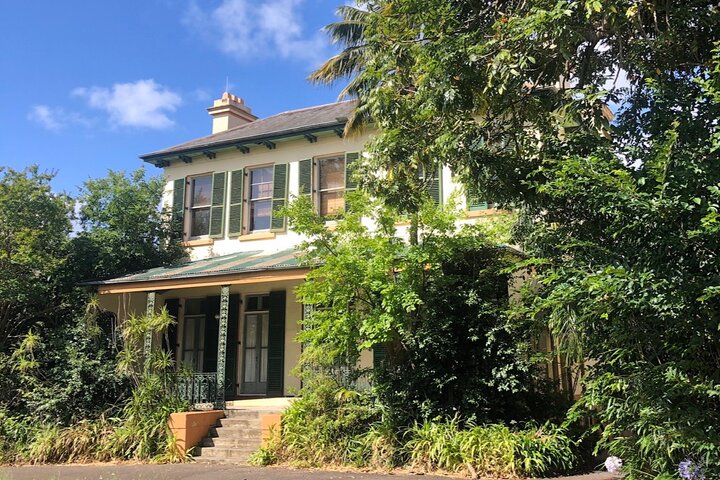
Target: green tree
{"type": "Point", "coordinates": [599, 120]}
{"type": "Point", "coordinates": [437, 308]}
{"type": "Point", "coordinates": [123, 227]}
{"type": "Point", "coordinates": [34, 228]}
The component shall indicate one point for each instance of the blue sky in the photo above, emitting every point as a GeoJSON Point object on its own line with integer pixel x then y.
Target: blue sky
{"type": "Point", "coordinates": [87, 86]}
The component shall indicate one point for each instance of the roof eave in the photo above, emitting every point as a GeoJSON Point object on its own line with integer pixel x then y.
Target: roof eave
{"type": "Point", "coordinates": [158, 157]}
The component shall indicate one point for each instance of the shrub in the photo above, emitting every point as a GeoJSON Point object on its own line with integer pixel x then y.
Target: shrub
{"type": "Point", "coordinates": [490, 450]}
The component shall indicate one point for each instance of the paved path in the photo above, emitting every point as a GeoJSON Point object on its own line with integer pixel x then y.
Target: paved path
{"type": "Point", "coordinates": [195, 471]}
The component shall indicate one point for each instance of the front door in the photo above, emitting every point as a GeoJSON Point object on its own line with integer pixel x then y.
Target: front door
{"type": "Point", "coordinates": [255, 356]}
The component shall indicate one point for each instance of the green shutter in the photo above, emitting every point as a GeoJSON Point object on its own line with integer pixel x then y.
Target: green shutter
{"type": "Point", "coordinates": [236, 203]}
{"type": "Point", "coordinates": [217, 209]}
{"type": "Point", "coordinates": [473, 200]}
{"type": "Point", "coordinates": [350, 159]}
{"type": "Point", "coordinates": [379, 354]}
{"type": "Point", "coordinates": [169, 345]}
{"type": "Point", "coordinates": [280, 179]}
{"type": "Point", "coordinates": [211, 306]}
{"type": "Point", "coordinates": [231, 352]}
{"type": "Point", "coordinates": [305, 177]}
{"type": "Point", "coordinates": [435, 186]}
{"type": "Point", "coordinates": [276, 344]}
{"type": "Point", "coordinates": [178, 208]}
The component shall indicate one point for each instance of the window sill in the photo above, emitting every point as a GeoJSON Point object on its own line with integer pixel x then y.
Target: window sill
{"type": "Point", "coordinates": [198, 242]}
{"type": "Point", "coordinates": [257, 236]}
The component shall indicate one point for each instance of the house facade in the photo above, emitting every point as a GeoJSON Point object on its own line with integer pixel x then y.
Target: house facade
{"type": "Point", "coordinates": [237, 314]}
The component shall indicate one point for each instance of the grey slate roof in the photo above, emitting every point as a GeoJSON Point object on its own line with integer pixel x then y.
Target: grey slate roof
{"type": "Point", "coordinates": [282, 124]}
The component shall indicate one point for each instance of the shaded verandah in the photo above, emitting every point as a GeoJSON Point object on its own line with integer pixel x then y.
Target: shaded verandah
{"type": "Point", "coordinates": [224, 282]}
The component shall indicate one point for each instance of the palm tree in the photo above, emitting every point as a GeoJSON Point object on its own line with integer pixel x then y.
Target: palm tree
{"type": "Point", "coordinates": [350, 62]}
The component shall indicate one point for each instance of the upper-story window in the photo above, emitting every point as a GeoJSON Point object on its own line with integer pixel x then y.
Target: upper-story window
{"type": "Point", "coordinates": [331, 185]}
{"type": "Point", "coordinates": [325, 180]}
{"type": "Point", "coordinates": [260, 191]}
{"type": "Point", "coordinates": [200, 203]}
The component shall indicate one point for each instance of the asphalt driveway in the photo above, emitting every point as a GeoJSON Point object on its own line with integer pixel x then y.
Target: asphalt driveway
{"type": "Point", "coordinates": [195, 471]}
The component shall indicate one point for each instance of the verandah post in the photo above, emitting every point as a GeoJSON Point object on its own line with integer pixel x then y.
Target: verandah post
{"type": "Point", "coordinates": [222, 344]}
{"type": "Point", "coordinates": [150, 310]}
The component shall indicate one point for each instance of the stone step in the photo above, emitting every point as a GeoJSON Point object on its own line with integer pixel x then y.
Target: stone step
{"type": "Point", "coordinates": [230, 432]}
{"type": "Point", "coordinates": [238, 422]}
{"type": "Point", "coordinates": [233, 442]}
{"type": "Point", "coordinates": [242, 413]}
{"type": "Point", "coordinates": [225, 453]}
{"type": "Point", "coordinates": [234, 431]}
{"type": "Point", "coordinates": [231, 412]}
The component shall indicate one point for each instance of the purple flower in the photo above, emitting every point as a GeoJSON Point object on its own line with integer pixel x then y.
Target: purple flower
{"type": "Point", "coordinates": [691, 470]}
{"type": "Point", "coordinates": [613, 464]}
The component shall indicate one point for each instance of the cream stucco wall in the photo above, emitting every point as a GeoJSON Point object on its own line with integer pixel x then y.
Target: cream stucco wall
{"type": "Point", "coordinates": [290, 152]}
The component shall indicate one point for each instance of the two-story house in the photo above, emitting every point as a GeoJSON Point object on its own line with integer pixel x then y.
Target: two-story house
{"type": "Point", "coordinates": [237, 315]}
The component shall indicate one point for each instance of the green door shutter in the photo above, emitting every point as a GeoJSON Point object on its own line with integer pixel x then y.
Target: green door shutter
{"type": "Point", "coordinates": [305, 177]}
{"type": "Point", "coordinates": [280, 179]}
{"type": "Point", "coordinates": [231, 352]}
{"type": "Point", "coordinates": [211, 307]}
{"type": "Point", "coordinates": [379, 354]}
{"type": "Point", "coordinates": [435, 186]}
{"type": "Point", "coordinates": [169, 344]}
{"type": "Point", "coordinates": [276, 344]}
{"type": "Point", "coordinates": [178, 208]}
{"type": "Point", "coordinates": [236, 203]}
{"type": "Point", "coordinates": [217, 209]}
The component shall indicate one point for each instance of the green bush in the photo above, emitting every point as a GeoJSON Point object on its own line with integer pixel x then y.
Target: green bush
{"type": "Point", "coordinates": [490, 450]}
{"type": "Point", "coordinates": [348, 428]}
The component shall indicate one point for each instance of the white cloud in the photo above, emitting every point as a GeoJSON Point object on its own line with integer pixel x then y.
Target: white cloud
{"type": "Point", "coordinates": [247, 29]}
{"type": "Point", "coordinates": [143, 103]}
{"type": "Point", "coordinates": [55, 118]}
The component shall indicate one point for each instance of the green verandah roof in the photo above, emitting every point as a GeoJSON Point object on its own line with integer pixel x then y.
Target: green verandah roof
{"type": "Point", "coordinates": [242, 262]}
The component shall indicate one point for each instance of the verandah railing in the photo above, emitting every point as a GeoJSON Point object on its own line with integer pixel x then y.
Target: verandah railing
{"type": "Point", "coordinates": [198, 389]}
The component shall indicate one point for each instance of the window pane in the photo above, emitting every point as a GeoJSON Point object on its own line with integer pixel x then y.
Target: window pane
{"type": "Point", "coordinates": [261, 182]}
{"type": "Point", "coordinates": [332, 203]}
{"type": "Point", "coordinates": [200, 222]}
{"type": "Point", "coordinates": [263, 364]}
{"type": "Point", "coordinates": [250, 365]}
{"type": "Point", "coordinates": [264, 332]}
{"type": "Point", "coordinates": [332, 172]}
{"type": "Point", "coordinates": [189, 334]}
{"type": "Point", "coordinates": [251, 331]}
{"type": "Point", "coordinates": [194, 306]}
{"type": "Point", "coordinates": [201, 191]}
{"type": "Point", "coordinates": [260, 214]}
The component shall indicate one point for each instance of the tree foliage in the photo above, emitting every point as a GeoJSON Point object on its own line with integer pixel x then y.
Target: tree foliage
{"type": "Point", "coordinates": [437, 307]}
{"type": "Point", "coordinates": [34, 228]}
{"type": "Point", "coordinates": [57, 349]}
{"type": "Point", "coordinates": [123, 227]}
{"type": "Point", "coordinates": [598, 120]}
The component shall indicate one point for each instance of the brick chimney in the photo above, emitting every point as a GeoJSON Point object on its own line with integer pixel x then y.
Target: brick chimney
{"type": "Point", "coordinates": [228, 112]}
